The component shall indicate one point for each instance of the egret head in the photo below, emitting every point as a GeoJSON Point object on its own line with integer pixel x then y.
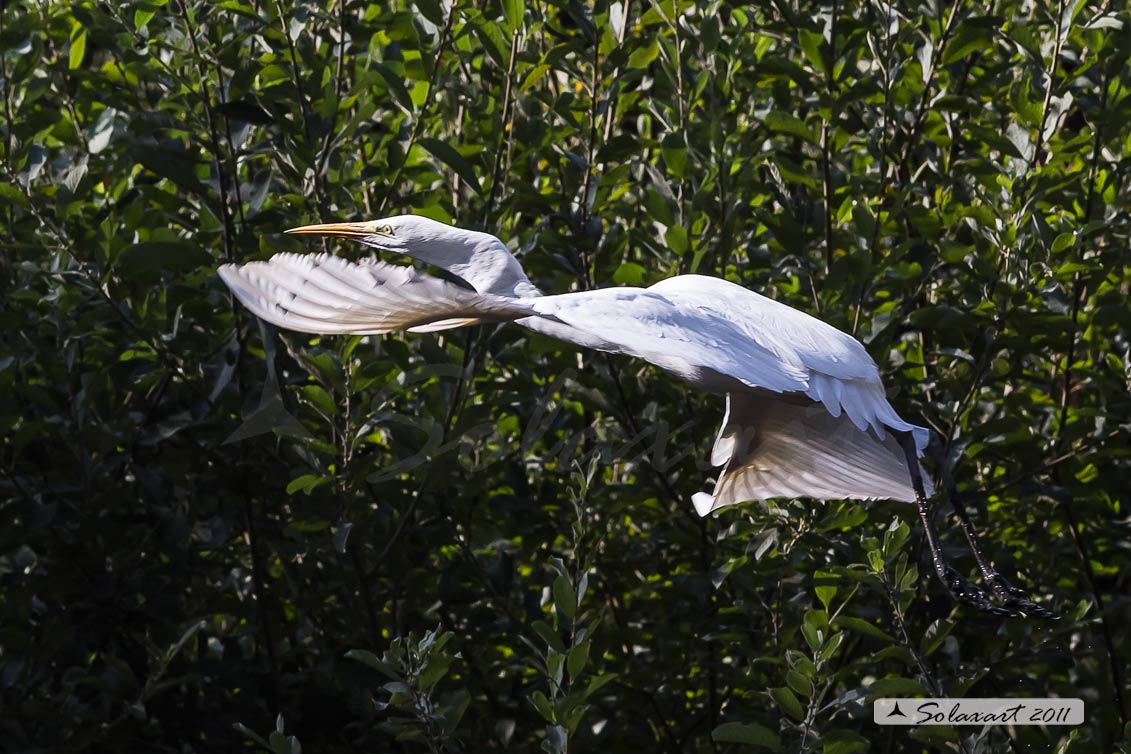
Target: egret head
{"type": "Point", "coordinates": [482, 260]}
{"type": "Point", "coordinates": [404, 234]}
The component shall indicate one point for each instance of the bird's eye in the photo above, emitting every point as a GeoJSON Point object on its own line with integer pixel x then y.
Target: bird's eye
{"type": "Point", "coordinates": [385, 230]}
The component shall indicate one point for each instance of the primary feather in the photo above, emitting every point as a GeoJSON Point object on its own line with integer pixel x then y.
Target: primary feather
{"type": "Point", "coordinates": [319, 293]}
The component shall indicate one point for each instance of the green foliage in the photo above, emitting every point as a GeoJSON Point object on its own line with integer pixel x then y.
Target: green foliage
{"type": "Point", "coordinates": [210, 528]}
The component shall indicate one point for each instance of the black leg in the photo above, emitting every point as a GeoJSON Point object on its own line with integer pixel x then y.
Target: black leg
{"type": "Point", "coordinates": [1010, 596]}
{"type": "Point", "coordinates": [960, 589]}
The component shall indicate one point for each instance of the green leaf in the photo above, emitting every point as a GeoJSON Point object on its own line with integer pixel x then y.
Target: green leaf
{"type": "Point", "coordinates": [642, 57]}
{"type": "Point", "coordinates": [674, 150]}
{"type": "Point", "coordinates": [595, 684]}
{"type": "Point", "coordinates": [968, 40]}
{"type": "Point", "coordinates": [799, 683]}
{"type": "Point", "coordinates": [792, 172]}
{"type": "Point", "coordinates": [630, 273]}
{"type": "Point", "coordinates": [565, 599]}
{"type": "Point", "coordinates": [1062, 242]}
{"type": "Point", "coordinates": [676, 237]}
{"type": "Point", "coordinates": [142, 15]}
{"type": "Point", "coordinates": [750, 734]}
{"type": "Point", "coordinates": [542, 704]}
{"type": "Point", "coordinates": [395, 86]}
{"type": "Point", "coordinates": [843, 742]}
{"type": "Point", "coordinates": [513, 11]}
{"type": "Point", "coordinates": [433, 10]}
{"type": "Point", "coordinates": [830, 648]}
{"type": "Point", "coordinates": [861, 626]}
{"type": "Point", "coordinates": [368, 658]}
{"type": "Point", "coordinates": [321, 400]}
{"type": "Point", "coordinates": [78, 49]}
{"type": "Point", "coordinates": [894, 537]}
{"type": "Point", "coordinates": [549, 635]}
{"type": "Point", "coordinates": [306, 483]}
{"type": "Point", "coordinates": [10, 193]}
{"type": "Point", "coordinates": [812, 635]}
{"type": "Point", "coordinates": [889, 687]}
{"type": "Point", "coordinates": [535, 76]}
{"type": "Point", "coordinates": [433, 672]}
{"type": "Point", "coordinates": [824, 584]}
{"type": "Point", "coordinates": [814, 46]}
{"type": "Point", "coordinates": [658, 207]}
{"type": "Point", "coordinates": [165, 160]}
{"type": "Point", "coordinates": [577, 658]}
{"type": "Point", "coordinates": [452, 159]}
{"type": "Point", "coordinates": [788, 123]}
{"type": "Point", "coordinates": [788, 702]}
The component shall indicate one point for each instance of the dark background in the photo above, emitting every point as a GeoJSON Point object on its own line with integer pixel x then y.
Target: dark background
{"type": "Point", "coordinates": [457, 542]}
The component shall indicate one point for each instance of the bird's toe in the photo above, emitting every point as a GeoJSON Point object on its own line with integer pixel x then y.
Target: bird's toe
{"type": "Point", "coordinates": [963, 591]}
{"type": "Point", "coordinates": [1030, 609]}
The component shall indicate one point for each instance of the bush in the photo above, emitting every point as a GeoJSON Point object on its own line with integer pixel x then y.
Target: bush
{"type": "Point", "coordinates": [216, 535]}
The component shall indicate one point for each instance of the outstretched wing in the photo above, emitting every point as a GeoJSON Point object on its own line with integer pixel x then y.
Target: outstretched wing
{"type": "Point", "coordinates": [694, 344]}
{"type": "Point", "coordinates": [319, 293]}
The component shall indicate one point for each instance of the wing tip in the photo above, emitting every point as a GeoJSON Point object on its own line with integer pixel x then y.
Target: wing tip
{"type": "Point", "coordinates": [703, 503]}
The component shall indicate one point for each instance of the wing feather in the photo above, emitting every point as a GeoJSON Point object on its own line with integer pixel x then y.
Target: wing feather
{"type": "Point", "coordinates": [322, 294]}
{"type": "Point", "coordinates": [789, 333]}
{"type": "Point", "coordinates": [690, 342]}
{"type": "Point", "coordinates": [783, 449]}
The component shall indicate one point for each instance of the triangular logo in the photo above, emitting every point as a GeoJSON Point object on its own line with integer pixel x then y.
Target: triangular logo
{"type": "Point", "coordinates": [896, 711]}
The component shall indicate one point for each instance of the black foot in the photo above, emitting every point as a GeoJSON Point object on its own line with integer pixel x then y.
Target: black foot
{"type": "Point", "coordinates": [963, 591]}
{"type": "Point", "coordinates": [1017, 599]}
{"type": "Point", "coordinates": [1031, 609]}
{"type": "Point", "coordinates": [1003, 589]}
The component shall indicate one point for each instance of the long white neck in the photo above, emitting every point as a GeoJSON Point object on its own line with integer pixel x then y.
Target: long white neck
{"type": "Point", "coordinates": [480, 259]}
{"type": "Point", "coordinates": [487, 265]}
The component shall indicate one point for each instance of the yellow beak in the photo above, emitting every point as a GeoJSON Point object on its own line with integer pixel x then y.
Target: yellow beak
{"type": "Point", "coordinates": [343, 230]}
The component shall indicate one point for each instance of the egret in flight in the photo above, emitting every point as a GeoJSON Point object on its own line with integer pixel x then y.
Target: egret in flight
{"type": "Point", "coordinates": [806, 412]}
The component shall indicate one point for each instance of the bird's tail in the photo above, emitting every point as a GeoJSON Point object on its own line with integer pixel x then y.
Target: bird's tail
{"type": "Point", "coordinates": [319, 293]}
{"type": "Point", "coordinates": [773, 448]}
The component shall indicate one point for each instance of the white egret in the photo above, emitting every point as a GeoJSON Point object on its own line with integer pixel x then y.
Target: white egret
{"type": "Point", "coordinates": [806, 412]}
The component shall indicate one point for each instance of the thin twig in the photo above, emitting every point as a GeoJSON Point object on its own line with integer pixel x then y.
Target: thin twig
{"type": "Point", "coordinates": [591, 154]}
{"type": "Point", "coordinates": [260, 592]}
{"type": "Point", "coordinates": [339, 78]}
{"type": "Point", "coordinates": [826, 151]}
{"type": "Point", "coordinates": [921, 110]}
{"type": "Point", "coordinates": [507, 136]}
{"type": "Point", "coordinates": [418, 124]}
{"type": "Point", "coordinates": [681, 112]}
{"type": "Point", "coordinates": [214, 136]}
{"type": "Point", "coordinates": [881, 193]}
{"type": "Point", "coordinates": [10, 135]}
{"type": "Point", "coordinates": [1035, 160]}
{"type": "Point", "coordinates": [304, 108]}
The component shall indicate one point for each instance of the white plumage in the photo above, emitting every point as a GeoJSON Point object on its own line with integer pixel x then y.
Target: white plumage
{"type": "Point", "coordinates": [806, 411]}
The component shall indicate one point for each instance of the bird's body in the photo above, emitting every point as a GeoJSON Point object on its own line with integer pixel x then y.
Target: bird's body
{"type": "Point", "coordinates": [806, 411]}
